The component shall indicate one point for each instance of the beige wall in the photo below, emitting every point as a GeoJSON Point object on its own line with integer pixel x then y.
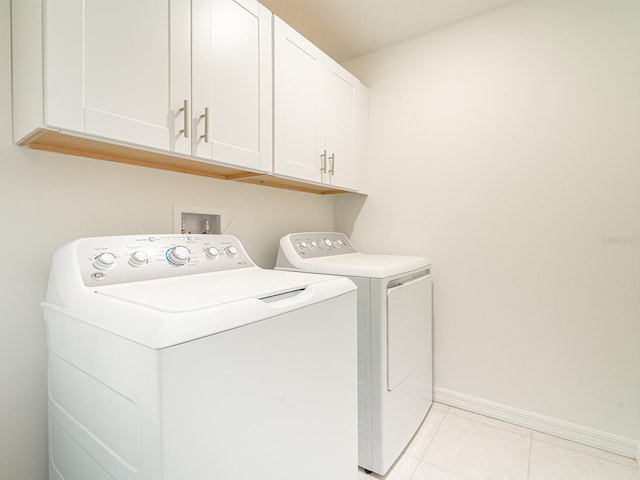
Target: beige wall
{"type": "Point", "coordinates": [49, 199]}
{"type": "Point", "coordinates": [507, 149]}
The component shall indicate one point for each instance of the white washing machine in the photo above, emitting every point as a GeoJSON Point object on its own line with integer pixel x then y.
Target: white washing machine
{"type": "Point", "coordinates": [174, 357]}
{"type": "Point", "coordinates": [395, 387]}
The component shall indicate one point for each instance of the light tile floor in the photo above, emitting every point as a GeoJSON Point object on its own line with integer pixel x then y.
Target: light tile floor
{"type": "Point", "coordinates": [454, 444]}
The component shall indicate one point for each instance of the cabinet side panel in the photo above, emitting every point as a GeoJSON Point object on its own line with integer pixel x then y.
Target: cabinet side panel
{"type": "Point", "coordinates": [26, 66]}
{"type": "Point", "coordinates": [63, 64]}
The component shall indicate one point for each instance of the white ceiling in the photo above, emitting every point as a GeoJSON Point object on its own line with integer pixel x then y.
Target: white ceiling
{"type": "Point", "coordinates": [346, 29]}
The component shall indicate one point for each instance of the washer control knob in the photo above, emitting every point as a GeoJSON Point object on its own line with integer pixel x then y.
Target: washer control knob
{"type": "Point", "coordinates": [339, 243]}
{"type": "Point", "coordinates": [104, 261]}
{"type": "Point", "coordinates": [211, 253]}
{"type": "Point", "coordinates": [231, 251]}
{"type": "Point", "coordinates": [178, 255]}
{"type": "Point", "coordinates": [326, 244]}
{"type": "Point", "coordinates": [313, 245]}
{"type": "Point", "coordinates": [138, 258]}
{"type": "Point", "coordinates": [302, 246]}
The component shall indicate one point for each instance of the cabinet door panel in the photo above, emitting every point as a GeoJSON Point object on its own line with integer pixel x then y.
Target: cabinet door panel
{"type": "Point", "coordinates": [63, 65]}
{"type": "Point", "coordinates": [127, 60]}
{"type": "Point", "coordinates": [120, 75]}
{"type": "Point", "coordinates": [200, 74]}
{"type": "Point", "coordinates": [298, 128]}
{"type": "Point", "coordinates": [235, 96]}
{"type": "Point", "coordinates": [340, 126]}
{"type": "Point", "coordinates": [228, 79]}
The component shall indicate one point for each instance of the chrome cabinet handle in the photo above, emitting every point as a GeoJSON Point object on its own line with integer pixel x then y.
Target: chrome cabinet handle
{"type": "Point", "coordinates": [185, 114]}
{"type": "Point", "coordinates": [205, 115]}
{"type": "Point", "coordinates": [323, 161]}
{"type": "Point", "coordinates": [332, 157]}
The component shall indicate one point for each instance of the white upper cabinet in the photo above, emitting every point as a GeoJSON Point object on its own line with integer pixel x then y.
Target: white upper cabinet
{"type": "Point", "coordinates": [192, 77]}
{"type": "Point", "coordinates": [220, 88]}
{"type": "Point", "coordinates": [115, 69]}
{"type": "Point", "coordinates": [232, 82]}
{"type": "Point", "coordinates": [316, 113]}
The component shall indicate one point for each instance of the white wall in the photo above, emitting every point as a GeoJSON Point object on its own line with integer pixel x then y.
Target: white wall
{"type": "Point", "coordinates": [49, 199]}
{"type": "Point", "coordinates": [507, 149]}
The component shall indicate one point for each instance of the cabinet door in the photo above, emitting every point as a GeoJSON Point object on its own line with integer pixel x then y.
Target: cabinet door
{"type": "Point", "coordinates": [110, 68]}
{"type": "Point", "coordinates": [340, 125]}
{"type": "Point", "coordinates": [232, 85]}
{"type": "Point", "coordinates": [298, 125]}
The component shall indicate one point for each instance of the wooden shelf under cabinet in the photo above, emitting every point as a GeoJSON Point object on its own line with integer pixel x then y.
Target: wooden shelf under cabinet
{"type": "Point", "coordinates": [54, 141]}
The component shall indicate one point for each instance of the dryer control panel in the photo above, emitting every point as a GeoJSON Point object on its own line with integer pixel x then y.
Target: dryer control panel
{"type": "Point", "coordinates": [320, 244]}
{"type": "Point", "coordinates": [123, 259]}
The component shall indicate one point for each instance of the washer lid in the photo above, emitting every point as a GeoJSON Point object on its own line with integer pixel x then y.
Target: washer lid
{"type": "Point", "coordinates": [196, 292]}
{"type": "Point", "coordinates": [362, 265]}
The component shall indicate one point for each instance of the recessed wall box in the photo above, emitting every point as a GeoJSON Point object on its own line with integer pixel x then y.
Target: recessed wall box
{"type": "Point", "coordinates": [198, 219]}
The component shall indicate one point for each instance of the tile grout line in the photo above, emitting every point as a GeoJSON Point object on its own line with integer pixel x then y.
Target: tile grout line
{"type": "Point", "coordinates": [421, 459]}
{"type": "Point", "coordinates": [528, 434]}
{"type": "Point", "coordinates": [530, 454]}
{"type": "Point", "coordinates": [413, 472]}
{"type": "Point", "coordinates": [426, 419]}
{"type": "Point", "coordinates": [497, 427]}
{"type": "Point", "coordinates": [530, 431]}
{"type": "Point", "coordinates": [585, 453]}
{"type": "Point", "coordinates": [435, 434]}
{"type": "Point", "coordinates": [534, 431]}
{"type": "Point", "coordinates": [462, 477]}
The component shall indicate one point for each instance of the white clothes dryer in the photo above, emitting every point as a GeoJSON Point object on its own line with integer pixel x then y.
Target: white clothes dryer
{"type": "Point", "coordinates": [175, 357]}
{"type": "Point", "coordinates": [395, 386]}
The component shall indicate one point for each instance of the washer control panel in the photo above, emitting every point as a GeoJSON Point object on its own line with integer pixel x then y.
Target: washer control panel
{"type": "Point", "coordinates": [123, 259]}
{"type": "Point", "coordinates": [320, 244]}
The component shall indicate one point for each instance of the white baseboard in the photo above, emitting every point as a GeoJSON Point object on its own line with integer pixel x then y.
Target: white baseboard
{"type": "Point", "coordinates": [552, 426]}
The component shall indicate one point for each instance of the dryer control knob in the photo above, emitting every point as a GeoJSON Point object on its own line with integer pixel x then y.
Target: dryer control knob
{"type": "Point", "coordinates": [211, 253]}
{"type": "Point", "coordinates": [178, 255]}
{"type": "Point", "coordinates": [138, 258]}
{"type": "Point", "coordinates": [104, 261]}
{"type": "Point", "coordinates": [231, 251]}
